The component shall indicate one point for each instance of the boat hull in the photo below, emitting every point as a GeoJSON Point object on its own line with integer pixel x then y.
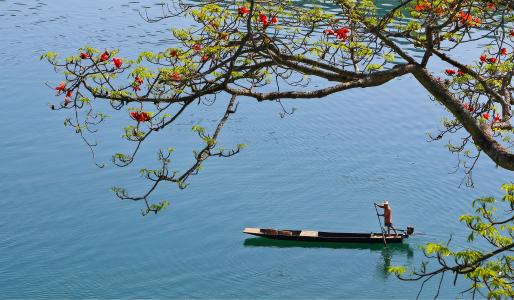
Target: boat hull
{"type": "Point", "coordinates": [320, 236]}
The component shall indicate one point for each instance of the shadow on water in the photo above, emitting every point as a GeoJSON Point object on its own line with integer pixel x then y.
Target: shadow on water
{"type": "Point", "coordinates": [391, 248]}
{"type": "Point", "coordinates": [386, 253]}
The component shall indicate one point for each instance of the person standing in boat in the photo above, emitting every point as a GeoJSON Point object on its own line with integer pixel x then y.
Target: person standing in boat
{"type": "Point", "coordinates": [388, 218]}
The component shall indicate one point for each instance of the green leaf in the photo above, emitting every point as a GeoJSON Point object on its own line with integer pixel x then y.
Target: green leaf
{"type": "Point", "coordinates": [397, 270]}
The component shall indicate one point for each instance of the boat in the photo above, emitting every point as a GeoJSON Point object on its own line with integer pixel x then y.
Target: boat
{"type": "Point", "coordinates": [333, 237]}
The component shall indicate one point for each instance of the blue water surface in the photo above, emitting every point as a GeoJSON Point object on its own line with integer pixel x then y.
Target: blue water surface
{"type": "Point", "coordinates": [63, 234]}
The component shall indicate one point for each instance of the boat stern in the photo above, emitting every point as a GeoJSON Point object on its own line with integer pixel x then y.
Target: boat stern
{"type": "Point", "coordinates": [410, 230]}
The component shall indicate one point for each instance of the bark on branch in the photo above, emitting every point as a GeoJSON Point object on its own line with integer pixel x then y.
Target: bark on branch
{"type": "Point", "coordinates": [370, 80]}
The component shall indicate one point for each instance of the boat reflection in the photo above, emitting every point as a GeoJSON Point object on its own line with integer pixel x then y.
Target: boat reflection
{"type": "Point", "coordinates": [391, 248]}
{"type": "Point", "coordinates": [385, 253]}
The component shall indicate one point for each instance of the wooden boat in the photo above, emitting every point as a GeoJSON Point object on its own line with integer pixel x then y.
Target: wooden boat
{"type": "Point", "coordinates": [335, 237]}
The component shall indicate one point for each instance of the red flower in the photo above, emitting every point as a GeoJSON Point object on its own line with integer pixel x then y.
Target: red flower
{"type": "Point", "coordinates": [136, 84]}
{"type": "Point", "coordinates": [197, 47]}
{"type": "Point", "coordinates": [466, 19]}
{"type": "Point", "coordinates": [67, 98]}
{"type": "Point", "coordinates": [205, 57]}
{"type": "Point", "coordinates": [483, 58]}
{"type": "Point", "coordinates": [342, 33]}
{"type": "Point", "coordinates": [243, 10]}
{"type": "Point", "coordinates": [140, 116]}
{"type": "Point", "coordinates": [497, 118]}
{"type": "Point", "coordinates": [485, 116]}
{"type": "Point", "coordinates": [173, 53]}
{"type": "Point", "coordinates": [176, 77]}
{"type": "Point", "coordinates": [491, 60]}
{"type": "Point", "coordinates": [469, 107]}
{"type": "Point", "coordinates": [84, 55]}
{"type": "Point", "coordinates": [423, 6]}
{"type": "Point", "coordinates": [274, 20]}
{"type": "Point", "coordinates": [490, 5]}
{"type": "Point", "coordinates": [503, 51]}
{"type": "Point", "coordinates": [460, 73]}
{"type": "Point", "coordinates": [104, 56]}
{"type": "Point", "coordinates": [117, 62]}
{"type": "Point", "coordinates": [450, 72]}
{"type": "Point", "coordinates": [263, 18]}
{"type": "Point", "coordinates": [61, 87]}
{"type": "Point", "coordinates": [145, 116]}
{"type": "Point", "coordinates": [328, 31]}
{"type": "Point", "coordinates": [511, 33]}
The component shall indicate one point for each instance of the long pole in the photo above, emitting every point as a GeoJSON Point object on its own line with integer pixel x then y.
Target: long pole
{"type": "Point", "coordinates": [380, 223]}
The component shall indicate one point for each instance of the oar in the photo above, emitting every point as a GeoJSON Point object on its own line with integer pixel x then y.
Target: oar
{"type": "Point", "coordinates": [380, 223]}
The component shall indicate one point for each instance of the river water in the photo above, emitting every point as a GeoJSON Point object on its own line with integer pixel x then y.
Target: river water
{"type": "Point", "coordinates": [63, 234]}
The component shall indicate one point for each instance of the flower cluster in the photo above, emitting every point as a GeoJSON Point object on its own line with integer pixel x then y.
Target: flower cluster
{"type": "Point", "coordinates": [485, 116]}
{"type": "Point", "coordinates": [423, 6]}
{"type": "Point", "coordinates": [426, 6]}
{"type": "Point", "coordinates": [469, 108]}
{"type": "Point", "coordinates": [176, 77]}
{"type": "Point", "coordinates": [485, 59]}
{"type": "Point", "coordinates": [104, 56]}
{"type": "Point", "coordinates": [451, 72]}
{"type": "Point", "coordinates": [69, 93]}
{"type": "Point", "coordinates": [117, 62]}
{"type": "Point", "coordinates": [267, 21]}
{"type": "Point", "coordinates": [136, 85]}
{"type": "Point", "coordinates": [61, 87]}
{"type": "Point", "coordinates": [341, 34]}
{"type": "Point", "coordinates": [243, 10]}
{"type": "Point", "coordinates": [140, 116]}
{"type": "Point", "coordinates": [466, 19]}
{"type": "Point", "coordinates": [496, 118]}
